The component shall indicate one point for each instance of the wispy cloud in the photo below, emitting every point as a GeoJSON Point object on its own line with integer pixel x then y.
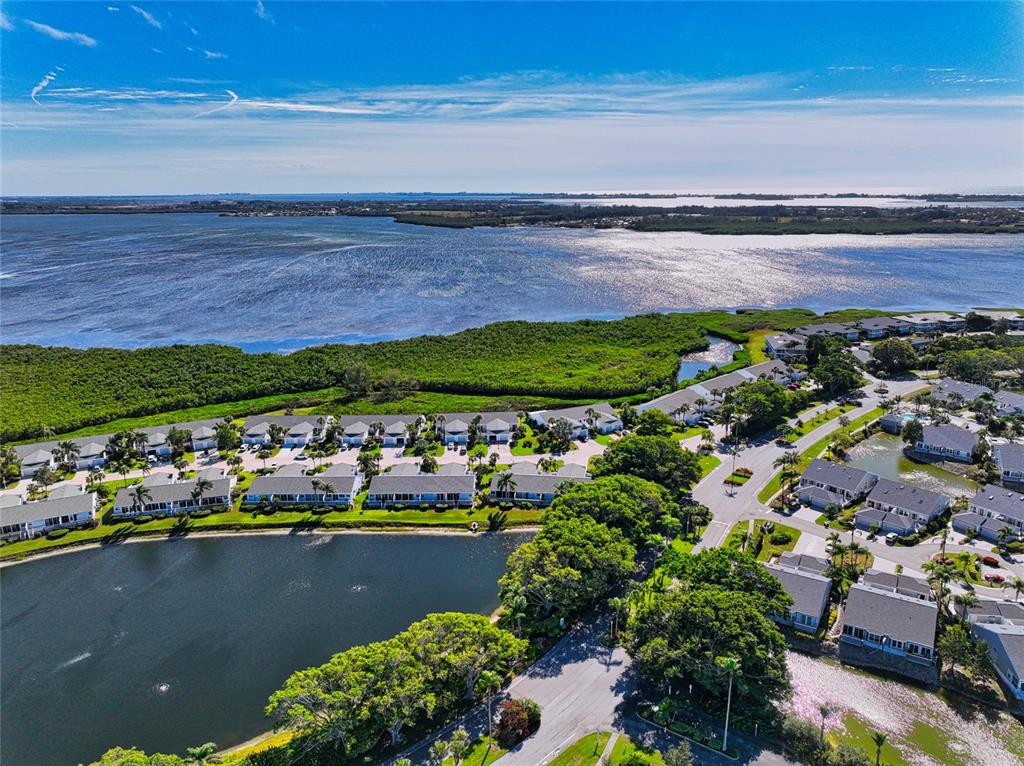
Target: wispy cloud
{"type": "Point", "coordinates": [113, 8]}
{"type": "Point", "coordinates": [192, 29]}
{"type": "Point", "coordinates": [44, 83]}
{"type": "Point", "coordinates": [60, 34]}
{"type": "Point", "coordinates": [214, 54]}
{"type": "Point", "coordinates": [233, 100]}
{"type": "Point", "coordinates": [148, 17]}
{"type": "Point", "coordinates": [262, 12]}
{"type": "Point", "coordinates": [5, 23]}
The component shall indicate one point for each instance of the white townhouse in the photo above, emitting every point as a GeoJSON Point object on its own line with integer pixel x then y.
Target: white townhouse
{"type": "Point", "coordinates": [1009, 402]}
{"type": "Point", "coordinates": [204, 438]}
{"type": "Point", "coordinates": [492, 427]}
{"type": "Point", "coordinates": [167, 497]}
{"type": "Point", "coordinates": [848, 331]}
{"type": "Point", "coordinates": [891, 615]}
{"type": "Point", "coordinates": [1013, 319]}
{"type": "Point", "coordinates": [804, 578]}
{"type": "Point", "coordinates": [23, 521]}
{"type": "Point", "coordinates": [991, 510]}
{"type": "Point", "coordinates": [933, 320]}
{"type": "Point", "coordinates": [950, 391]}
{"type": "Point", "coordinates": [900, 508]}
{"type": "Point", "coordinates": [786, 345]}
{"type": "Point", "coordinates": [1000, 625]}
{"type": "Point", "coordinates": [601, 417]}
{"type": "Point", "coordinates": [881, 327]}
{"type": "Point", "coordinates": [298, 430]}
{"type": "Point", "coordinates": [32, 461]}
{"type": "Point", "coordinates": [1010, 459]}
{"type": "Point", "coordinates": [404, 484]}
{"type": "Point", "coordinates": [825, 483]}
{"type": "Point", "coordinates": [526, 484]}
{"type": "Point", "coordinates": [336, 486]}
{"type": "Point", "coordinates": [947, 441]}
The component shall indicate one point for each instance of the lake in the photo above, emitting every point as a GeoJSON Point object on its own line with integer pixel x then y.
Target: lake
{"type": "Point", "coordinates": [170, 644]}
{"type": "Point", "coordinates": [882, 454]}
{"type": "Point", "coordinates": [284, 283]}
{"type": "Point", "coordinates": [719, 352]}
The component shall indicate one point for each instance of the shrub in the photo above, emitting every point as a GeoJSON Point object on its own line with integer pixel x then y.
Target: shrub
{"type": "Point", "coordinates": [781, 537]}
{"type": "Point", "coordinates": [142, 519]}
{"type": "Point", "coordinates": [320, 510]}
{"type": "Point", "coordinates": [442, 506]}
{"type": "Point", "coordinates": [56, 534]}
{"type": "Point", "coordinates": [424, 506]}
{"type": "Point", "coordinates": [505, 505]}
{"type": "Point", "coordinates": [802, 738]}
{"type": "Point", "coordinates": [517, 719]}
{"type": "Point", "coordinates": [200, 514]}
{"type": "Point", "coordinates": [635, 758]}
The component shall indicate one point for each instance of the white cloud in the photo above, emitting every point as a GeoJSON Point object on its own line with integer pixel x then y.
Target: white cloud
{"type": "Point", "coordinates": [214, 54]}
{"type": "Point", "coordinates": [43, 84]}
{"type": "Point", "coordinates": [60, 34]}
{"type": "Point", "coordinates": [113, 8]}
{"type": "Point", "coordinates": [192, 29]}
{"type": "Point", "coordinates": [262, 12]}
{"type": "Point", "coordinates": [148, 17]}
{"type": "Point", "coordinates": [5, 23]}
{"type": "Point", "coordinates": [234, 100]}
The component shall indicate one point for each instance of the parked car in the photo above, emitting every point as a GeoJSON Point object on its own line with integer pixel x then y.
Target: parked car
{"type": "Point", "coordinates": [891, 538]}
{"type": "Point", "coordinates": [300, 456]}
{"type": "Point", "coordinates": [994, 577]}
{"type": "Point", "coordinates": [462, 450]}
{"type": "Point", "coordinates": [990, 561]}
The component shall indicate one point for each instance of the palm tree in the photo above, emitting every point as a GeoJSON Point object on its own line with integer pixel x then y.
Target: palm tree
{"type": "Point", "coordinates": [730, 665]}
{"type": "Point", "coordinates": [201, 754]}
{"type": "Point", "coordinates": [506, 484]}
{"type": "Point", "coordinates": [879, 739]}
{"type": "Point", "coordinates": [787, 461]}
{"type": "Point", "coordinates": [264, 454]}
{"type": "Point", "coordinates": [140, 496]}
{"type": "Point", "coordinates": [616, 604]}
{"type": "Point", "coordinates": [276, 432]}
{"type": "Point", "coordinates": [66, 452]}
{"type": "Point", "coordinates": [95, 476]}
{"type": "Point", "coordinates": [825, 713]}
{"type": "Point", "coordinates": [202, 486]}
{"type": "Point", "coordinates": [123, 466]}
{"type": "Point", "coordinates": [181, 466]}
{"type": "Point", "coordinates": [488, 685]}
{"type": "Point", "coordinates": [138, 441]}
{"type": "Point", "coordinates": [235, 461]}
{"type": "Point", "coordinates": [324, 487]}
{"type": "Point", "coordinates": [1016, 584]}
{"type": "Point", "coordinates": [8, 458]}
{"type": "Point", "coordinates": [965, 601]}
{"type": "Point", "coordinates": [707, 440]}
{"type": "Point", "coordinates": [438, 751]}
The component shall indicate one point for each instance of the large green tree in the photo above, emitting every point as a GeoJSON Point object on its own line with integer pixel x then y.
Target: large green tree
{"type": "Point", "coordinates": [761, 404]}
{"type": "Point", "coordinates": [120, 756]}
{"type": "Point", "coordinates": [655, 458]}
{"type": "Point", "coordinates": [728, 569]}
{"type": "Point", "coordinates": [836, 372]}
{"type": "Point", "coordinates": [677, 636]}
{"type": "Point", "coordinates": [893, 355]}
{"type": "Point", "coordinates": [634, 506]}
{"type": "Point", "coordinates": [569, 565]}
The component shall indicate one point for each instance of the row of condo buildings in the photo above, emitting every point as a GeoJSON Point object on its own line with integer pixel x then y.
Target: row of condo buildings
{"type": "Point", "coordinates": [889, 620]}
{"type": "Point", "coordinates": [693, 403]}
{"type": "Point", "coordinates": [299, 431]}
{"type": "Point", "coordinates": [897, 507]}
{"type": "Point", "coordinates": [793, 344]}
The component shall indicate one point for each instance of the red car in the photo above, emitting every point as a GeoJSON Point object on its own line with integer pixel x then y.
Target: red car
{"type": "Point", "coordinates": [993, 577]}
{"type": "Point", "coordinates": [990, 561]}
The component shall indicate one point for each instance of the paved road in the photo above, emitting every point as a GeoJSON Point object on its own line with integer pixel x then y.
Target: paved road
{"type": "Point", "coordinates": [583, 686]}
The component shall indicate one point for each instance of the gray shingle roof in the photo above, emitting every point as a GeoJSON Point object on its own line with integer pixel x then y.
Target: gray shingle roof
{"type": "Point", "coordinates": [422, 483]}
{"type": "Point", "coordinates": [1010, 457]}
{"type": "Point", "coordinates": [576, 413]}
{"type": "Point", "coordinates": [1006, 643]}
{"type": "Point", "coordinates": [1010, 401]}
{"type": "Point", "coordinates": [844, 477]}
{"type": "Point", "coordinates": [1001, 501]}
{"type": "Point", "coordinates": [884, 613]}
{"type": "Point", "coordinates": [539, 483]}
{"type": "Point", "coordinates": [66, 490]}
{"type": "Point", "coordinates": [387, 420]}
{"type": "Point", "coordinates": [809, 591]}
{"type": "Point", "coordinates": [967, 391]}
{"type": "Point", "coordinates": [949, 437]}
{"type": "Point", "coordinates": [905, 584]}
{"type": "Point", "coordinates": [300, 485]}
{"type": "Point", "coordinates": [44, 509]}
{"type": "Point", "coordinates": [171, 493]}
{"type": "Point", "coordinates": [804, 561]}
{"type": "Point", "coordinates": [907, 497]}
{"type": "Point", "coordinates": [885, 520]}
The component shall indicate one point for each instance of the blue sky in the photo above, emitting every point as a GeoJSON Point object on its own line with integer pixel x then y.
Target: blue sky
{"type": "Point", "coordinates": [150, 98]}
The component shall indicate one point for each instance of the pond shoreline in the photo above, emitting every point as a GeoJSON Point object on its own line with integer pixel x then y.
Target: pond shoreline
{"type": "Point", "coordinates": [161, 536]}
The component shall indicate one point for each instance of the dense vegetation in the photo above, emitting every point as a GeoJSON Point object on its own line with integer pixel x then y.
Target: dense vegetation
{"type": "Point", "coordinates": [61, 389]}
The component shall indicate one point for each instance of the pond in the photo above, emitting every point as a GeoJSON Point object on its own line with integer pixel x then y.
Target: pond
{"type": "Point", "coordinates": [923, 728]}
{"type": "Point", "coordinates": [718, 353]}
{"type": "Point", "coordinates": [882, 454]}
{"type": "Point", "coordinates": [170, 644]}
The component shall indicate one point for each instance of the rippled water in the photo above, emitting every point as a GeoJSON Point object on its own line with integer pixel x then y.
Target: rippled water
{"type": "Point", "coordinates": [275, 283]}
{"type": "Point", "coordinates": [719, 352]}
{"type": "Point", "coordinates": [882, 454]}
{"type": "Point", "coordinates": [168, 644]}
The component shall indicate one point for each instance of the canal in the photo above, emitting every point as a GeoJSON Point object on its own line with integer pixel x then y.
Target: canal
{"type": "Point", "coordinates": [170, 644]}
{"type": "Point", "coordinates": [717, 354]}
{"type": "Point", "coordinates": [882, 454]}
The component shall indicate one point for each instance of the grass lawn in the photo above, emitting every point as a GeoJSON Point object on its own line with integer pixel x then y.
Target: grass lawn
{"type": "Point", "coordinates": [708, 463]}
{"type": "Point", "coordinates": [687, 433]}
{"type": "Point", "coordinates": [768, 548]}
{"type": "Point", "coordinates": [583, 752]}
{"type": "Point", "coordinates": [624, 746]}
{"type": "Point", "coordinates": [775, 484]}
{"type": "Point", "coordinates": [603, 439]}
{"type": "Point", "coordinates": [528, 444]}
{"type": "Point", "coordinates": [274, 740]}
{"type": "Point", "coordinates": [737, 479]}
{"type": "Point", "coordinates": [818, 420]}
{"type": "Point", "coordinates": [755, 345]}
{"type": "Point", "coordinates": [436, 450]}
{"type": "Point", "coordinates": [482, 752]}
